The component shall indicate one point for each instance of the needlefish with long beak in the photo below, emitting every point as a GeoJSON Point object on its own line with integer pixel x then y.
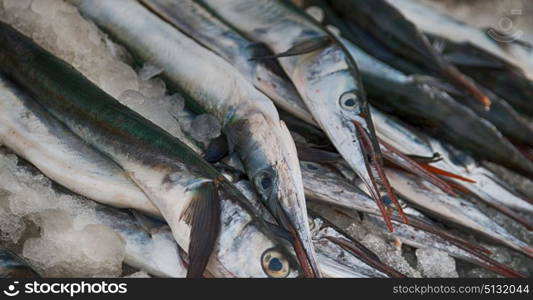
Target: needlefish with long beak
{"type": "Point", "coordinates": [249, 119]}
{"type": "Point", "coordinates": [28, 129]}
{"type": "Point", "coordinates": [326, 78]}
{"type": "Point", "coordinates": [208, 216]}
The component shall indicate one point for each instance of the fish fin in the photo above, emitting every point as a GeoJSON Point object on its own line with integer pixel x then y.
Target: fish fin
{"type": "Point", "coordinates": [217, 149]}
{"type": "Point", "coordinates": [203, 215]}
{"type": "Point", "coordinates": [304, 47]}
{"type": "Point", "coordinates": [307, 153]}
{"type": "Point", "coordinates": [261, 50]}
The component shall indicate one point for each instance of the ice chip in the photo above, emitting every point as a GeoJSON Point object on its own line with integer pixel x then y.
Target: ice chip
{"type": "Point", "coordinates": [153, 88]}
{"type": "Point", "coordinates": [434, 263]}
{"type": "Point", "coordinates": [101, 243]}
{"type": "Point", "coordinates": [46, 7]}
{"type": "Point", "coordinates": [131, 98]}
{"type": "Point", "coordinates": [149, 71]}
{"type": "Point", "coordinates": [205, 127]}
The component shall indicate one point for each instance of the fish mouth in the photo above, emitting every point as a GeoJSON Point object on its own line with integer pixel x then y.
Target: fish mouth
{"type": "Point", "coordinates": [374, 176]}
{"type": "Point", "coordinates": [304, 251]}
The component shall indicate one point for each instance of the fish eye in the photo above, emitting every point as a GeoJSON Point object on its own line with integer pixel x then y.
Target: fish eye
{"type": "Point", "coordinates": [264, 181]}
{"type": "Point", "coordinates": [349, 101]}
{"type": "Point", "coordinates": [275, 264]}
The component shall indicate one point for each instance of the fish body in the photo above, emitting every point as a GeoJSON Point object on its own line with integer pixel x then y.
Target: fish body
{"type": "Point", "coordinates": [249, 119]}
{"type": "Point", "coordinates": [383, 22]}
{"type": "Point", "coordinates": [438, 24]}
{"type": "Point", "coordinates": [483, 183]}
{"type": "Point", "coordinates": [179, 182]}
{"type": "Point", "coordinates": [424, 104]}
{"type": "Point", "coordinates": [324, 74]}
{"type": "Point", "coordinates": [32, 133]}
{"type": "Point", "coordinates": [324, 186]}
{"type": "Point", "coordinates": [198, 23]}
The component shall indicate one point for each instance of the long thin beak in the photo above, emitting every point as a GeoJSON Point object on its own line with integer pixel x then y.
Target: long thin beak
{"type": "Point", "coordinates": [371, 260]}
{"type": "Point", "coordinates": [375, 177]}
{"type": "Point", "coordinates": [302, 254]}
{"type": "Point", "coordinates": [303, 251]}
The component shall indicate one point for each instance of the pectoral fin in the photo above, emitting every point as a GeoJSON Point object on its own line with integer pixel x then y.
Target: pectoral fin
{"type": "Point", "coordinates": [203, 215]}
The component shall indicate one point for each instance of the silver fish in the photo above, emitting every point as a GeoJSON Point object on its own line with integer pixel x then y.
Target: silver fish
{"type": "Point", "coordinates": [198, 23]}
{"type": "Point", "coordinates": [325, 76]}
{"type": "Point", "coordinates": [249, 118]}
{"type": "Point", "coordinates": [184, 187]}
{"type": "Point", "coordinates": [326, 186]}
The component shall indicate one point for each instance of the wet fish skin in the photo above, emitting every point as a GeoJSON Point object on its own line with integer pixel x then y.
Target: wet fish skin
{"type": "Point", "coordinates": [326, 73]}
{"type": "Point", "coordinates": [324, 186]}
{"type": "Point", "coordinates": [165, 168]}
{"type": "Point", "coordinates": [454, 210]}
{"type": "Point", "coordinates": [486, 186]}
{"type": "Point", "coordinates": [249, 119]}
{"type": "Point", "coordinates": [197, 22]}
{"type": "Point", "coordinates": [436, 23]}
{"type": "Point", "coordinates": [32, 133]}
{"type": "Point", "coordinates": [424, 104]}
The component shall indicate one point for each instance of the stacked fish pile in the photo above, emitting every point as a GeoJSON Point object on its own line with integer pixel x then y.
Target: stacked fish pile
{"type": "Point", "coordinates": [235, 138]}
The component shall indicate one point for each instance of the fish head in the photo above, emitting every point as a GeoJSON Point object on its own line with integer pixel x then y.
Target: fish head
{"type": "Point", "coordinates": [248, 248]}
{"type": "Point", "coordinates": [330, 84]}
{"type": "Point", "coordinates": [281, 189]}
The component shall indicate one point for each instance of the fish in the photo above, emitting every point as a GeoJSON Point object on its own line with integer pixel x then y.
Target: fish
{"type": "Point", "coordinates": [417, 98]}
{"type": "Point", "coordinates": [433, 98]}
{"type": "Point", "coordinates": [206, 213]}
{"type": "Point", "coordinates": [201, 25]}
{"type": "Point", "coordinates": [324, 186]}
{"type": "Point", "coordinates": [32, 133]}
{"type": "Point", "coordinates": [148, 248]}
{"type": "Point", "coordinates": [454, 210]}
{"type": "Point", "coordinates": [392, 30]}
{"type": "Point", "coordinates": [338, 254]}
{"type": "Point", "coordinates": [249, 118]}
{"type": "Point", "coordinates": [12, 266]}
{"type": "Point", "coordinates": [482, 183]}
{"type": "Point", "coordinates": [326, 77]}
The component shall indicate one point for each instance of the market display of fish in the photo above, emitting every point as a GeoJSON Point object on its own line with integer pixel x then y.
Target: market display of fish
{"type": "Point", "coordinates": [232, 138]}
